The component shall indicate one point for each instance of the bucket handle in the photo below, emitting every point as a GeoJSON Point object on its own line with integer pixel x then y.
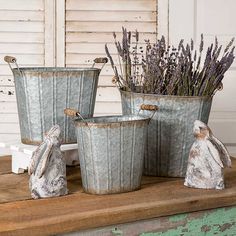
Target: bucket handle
{"type": "Point", "coordinates": [11, 60]}
{"type": "Point", "coordinates": [100, 60]}
{"type": "Point", "coordinates": [219, 88]}
{"type": "Point", "coordinates": [74, 113]}
{"type": "Point", "coordinates": [149, 107]}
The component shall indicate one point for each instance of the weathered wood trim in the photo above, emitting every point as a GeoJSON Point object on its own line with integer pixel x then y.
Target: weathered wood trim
{"type": "Point", "coordinates": [49, 38]}
{"type": "Point", "coordinates": [60, 33]}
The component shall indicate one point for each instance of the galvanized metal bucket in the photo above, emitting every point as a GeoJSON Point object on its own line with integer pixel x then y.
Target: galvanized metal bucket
{"type": "Point", "coordinates": [170, 134]}
{"type": "Point", "coordinates": [43, 92]}
{"type": "Point", "coordinates": [111, 151]}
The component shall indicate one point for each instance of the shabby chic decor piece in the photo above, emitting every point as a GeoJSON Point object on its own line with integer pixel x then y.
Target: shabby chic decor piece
{"type": "Point", "coordinates": [47, 168]}
{"type": "Point", "coordinates": [207, 158]}
{"type": "Point", "coordinates": [42, 93]}
{"type": "Point", "coordinates": [181, 80]}
{"type": "Point", "coordinates": [111, 151]}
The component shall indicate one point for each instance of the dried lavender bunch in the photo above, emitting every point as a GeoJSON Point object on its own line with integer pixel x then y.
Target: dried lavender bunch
{"type": "Point", "coordinates": [166, 70]}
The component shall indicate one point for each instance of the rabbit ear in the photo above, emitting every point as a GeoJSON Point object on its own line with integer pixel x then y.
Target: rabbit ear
{"type": "Point", "coordinates": [214, 153]}
{"type": "Point", "coordinates": [224, 154]}
{"type": "Point", "coordinates": [34, 161]}
{"type": "Point", "coordinates": [45, 158]}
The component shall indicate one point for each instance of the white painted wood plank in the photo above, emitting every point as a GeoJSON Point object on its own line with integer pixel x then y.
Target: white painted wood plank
{"type": "Point", "coordinates": [18, 37]}
{"type": "Point", "coordinates": [9, 137]}
{"type": "Point", "coordinates": [7, 93]}
{"type": "Point", "coordinates": [79, 26]}
{"type": "Point", "coordinates": [111, 5]}
{"type": "Point", "coordinates": [10, 128]}
{"type": "Point", "coordinates": [24, 59]}
{"type": "Point", "coordinates": [105, 81]}
{"type": "Point", "coordinates": [8, 107]}
{"type": "Point", "coordinates": [22, 48]}
{"type": "Point", "coordinates": [132, 16]}
{"type": "Point", "coordinates": [93, 48]}
{"type": "Point", "coordinates": [8, 118]}
{"type": "Point", "coordinates": [22, 5]}
{"type": "Point", "coordinates": [87, 58]}
{"type": "Point", "coordinates": [100, 37]}
{"type": "Point", "coordinates": [50, 34]}
{"type": "Point", "coordinates": [60, 33]}
{"type": "Point", "coordinates": [108, 94]}
{"type": "Point", "coordinates": [21, 26]}
{"type": "Point", "coordinates": [6, 80]}
{"type": "Point", "coordinates": [107, 108]}
{"type": "Point", "coordinates": [8, 15]}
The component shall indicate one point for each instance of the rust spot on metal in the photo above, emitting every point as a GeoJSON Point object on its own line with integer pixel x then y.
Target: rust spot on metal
{"type": "Point", "coordinates": [30, 142]}
{"type": "Point", "coordinates": [225, 226]}
{"type": "Point", "coordinates": [36, 143]}
{"type": "Point", "coordinates": [113, 191]}
{"type": "Point", "coordinates": [205, 228]}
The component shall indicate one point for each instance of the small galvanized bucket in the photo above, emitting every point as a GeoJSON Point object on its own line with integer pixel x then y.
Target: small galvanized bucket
{"type": "Point", "coordinates": [170, 134]}
{"type": "Point", "coordinates": [111, 151]}
{"type": "Point", "coordinates": [43, 92]}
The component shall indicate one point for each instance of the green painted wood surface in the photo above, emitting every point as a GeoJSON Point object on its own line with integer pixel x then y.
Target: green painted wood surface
{"type": "Point", "coordinates": [216, 222]}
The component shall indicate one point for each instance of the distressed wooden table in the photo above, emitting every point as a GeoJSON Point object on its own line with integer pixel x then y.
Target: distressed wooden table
{"type": "Point", "coordinates": [163, 206]}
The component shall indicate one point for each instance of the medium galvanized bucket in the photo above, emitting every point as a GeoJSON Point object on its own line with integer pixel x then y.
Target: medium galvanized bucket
{"type": "Point", "coordinates": [42, 94]}
{"type": "Point", "coordinates": [111, 151]}
{"type": "Point", "coordinates": [170, 134]}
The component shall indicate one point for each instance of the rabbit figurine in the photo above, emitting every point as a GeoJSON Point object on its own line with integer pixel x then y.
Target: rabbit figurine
{"type": "Point", "coordinates": [47, 168]}
{"type": "Point", "coordinates": [207, 158]}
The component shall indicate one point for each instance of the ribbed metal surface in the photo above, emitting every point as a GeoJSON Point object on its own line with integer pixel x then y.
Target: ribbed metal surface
{"type": "Point", "coordinates": [170, 134]}
{"type": "Point", "coordinates": [111, 151]}
{"type": "Point", "coordinates": [43, 94]}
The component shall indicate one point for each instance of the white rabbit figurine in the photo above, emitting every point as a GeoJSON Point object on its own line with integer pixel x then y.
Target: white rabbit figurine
{"type": "Point", "coordinates": [48, 167]}
{"type": "Point", "coordinates": [207, 158]}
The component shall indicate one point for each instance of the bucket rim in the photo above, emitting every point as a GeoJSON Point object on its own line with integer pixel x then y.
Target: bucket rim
{"type": "Point", "coordinates": [166, 96]}
{"type": "Point", "coordinates": [56, 69]}
{"type": "Point", "coordinates": [110, 120]}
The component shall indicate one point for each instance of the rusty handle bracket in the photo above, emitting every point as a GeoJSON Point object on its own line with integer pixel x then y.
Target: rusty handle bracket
{"type": "Point", "coordinates": [149, 107]}
{"type": "Point", "coordinates": [11, 60]}
{"type": "Point", "coordinates": [219, 88]}
{"type": "Point", "coordinates": [74, 113]}
{"type": "Point", "coordinates": [100, 60]}
{"type": "Point", "coordinates": [71, 112]}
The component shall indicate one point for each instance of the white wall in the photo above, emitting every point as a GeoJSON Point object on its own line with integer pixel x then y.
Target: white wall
{"type": "Point", "coordinates": [188, 19]}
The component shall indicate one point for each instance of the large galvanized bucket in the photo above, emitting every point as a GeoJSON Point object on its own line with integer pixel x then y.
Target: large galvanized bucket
{"type": "Point", "coordinates": [42, 94]}
{"type": "Point", "coordinates": [170, 134]}
{"type": "Point", "coordinates": [111, 152]}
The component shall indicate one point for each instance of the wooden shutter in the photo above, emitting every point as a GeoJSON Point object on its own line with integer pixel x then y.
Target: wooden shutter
{"type": "Point", "coordinates": [22, 36]}
{"type": "Point", "coordinates": [89, 25]}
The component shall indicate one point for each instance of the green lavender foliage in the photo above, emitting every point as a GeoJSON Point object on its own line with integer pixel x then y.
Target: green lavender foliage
{"type": "Point", "coordinates": [157, 68]}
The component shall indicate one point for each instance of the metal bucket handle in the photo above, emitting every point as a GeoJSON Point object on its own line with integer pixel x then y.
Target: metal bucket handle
{"type": "Point", "coordinates": [11, 60]}
{"type": "Point", "coordinates": [100, 60]}
{"type": "Point", "coordinates": [149, 107]}
{"type": "Point", "coordinates": [219, 88]}
{"type": "Point", "coordinates": [74, 113]}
